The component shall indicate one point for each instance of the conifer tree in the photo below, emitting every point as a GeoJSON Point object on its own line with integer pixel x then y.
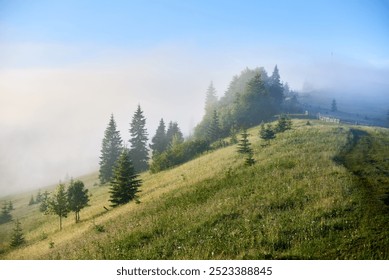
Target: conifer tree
{"type": "Point", "coordinates": [17, 237]}
{"type": "Point", "coordinates": [214, 128]}
{"type": "Point", "coordinates": [78, 198]}
{"type": "Point", "coordinates": [334, 107]}
{"type": "Point", "coordinates": [210, 99]}
{"type": "Point", "coordinates": [244, 147]}
{"type": "Point", "coordinates": [284, 123]}
{"type": "Point", "coordinates": [159, 141]}
{"type": "Point", "coordinates": [10, 206]}
{"type": "Point", "coordinates": [172, 132]}
{"type": "Point", "coordinates": [276, 89]}
{"type": "Point", "coordinates": [125, 182]}
{"type": "Point", "coordinates": [244, 143]}
{"type": "Point", "coordinates": [267, 133]}
{"type": "Point", "coordinates": [43, 207]}
{"type": "Point", "coordinates": [110, 151]}
{"type": "Point", "coordinates": [5, 215]}
{"type": "Point", "coordinates": [139, 151]}
{"type": "Point", "coordinates": [58, 204]}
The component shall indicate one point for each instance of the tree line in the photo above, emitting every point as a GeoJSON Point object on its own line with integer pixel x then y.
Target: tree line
{"type": "Point", "coordinates": [251, 98]}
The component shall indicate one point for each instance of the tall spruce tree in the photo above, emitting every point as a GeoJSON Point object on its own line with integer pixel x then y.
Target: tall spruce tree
{"type": "Point", "coordinates": [276, 90]}
{"type": "Point", "coordinates": [159, 141]}
{"type": "Point", "coordinates": [139, 151]}
{"type": "Point", "coordinates": [174, 132]}
{"type": "Point", "coordinates": [214, 128]}
{"type": "Point", "coordinates": [58, 204]}
{"type": "Point", "coordinates": [210, 99]}
{"type": "Point", "coordinates": [110, 151]}
{"type": "Point", "coordinates": [125, 182]}
{"type": "Point", "coordinates": [78, 198]}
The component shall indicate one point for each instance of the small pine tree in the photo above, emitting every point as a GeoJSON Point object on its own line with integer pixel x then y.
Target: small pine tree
{"type": "Point", "coordinates": [267, 133]}
{"type": "Point", "coordinates": [244, 144]}
{"type": "Point", "coordinates": [244, 148]}
{"type": "Point", "coordinates": [17, 237]}
{"type": "Point", "coordinates": [125, 182]}
{"type": "Point", "coordinates": [78, 198]}
{"type": "Point", "coordinates": [58, 204]}
{"type": "Point", "coordinates": [250, 160]}
{"type": "Point", "coordinates": [284, 123]}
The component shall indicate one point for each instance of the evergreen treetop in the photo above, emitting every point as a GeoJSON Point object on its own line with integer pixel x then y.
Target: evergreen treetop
{"type": "Point", "coordinates": [110, 151]}
{"type": "Point", "coordinates": [139, 151]}
{"type": "Point", "coordinates": [244, 144]}
{"type": "Point", "coordinates": [174, 131]}
{"type": "Point", "coordinates": [214, 132]}
{"type": "Point", "coordinates": [159, 141]}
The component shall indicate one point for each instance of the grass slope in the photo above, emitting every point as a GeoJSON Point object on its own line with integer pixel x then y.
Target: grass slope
{"type": "Point", "coordinates": [316, 192]}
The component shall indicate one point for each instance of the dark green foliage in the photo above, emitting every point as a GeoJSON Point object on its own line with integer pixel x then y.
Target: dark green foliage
{"type": "Point", "coordinates": [214, 132]}
{"type": "Point", "coordinates": [244, 143]}
{"type": "Point", "coordinates": [244, 147]}
{"type": "Point", "coordinates": [43, 207]}
{"type": "Point", "coordinates": [276, 90]}
{"type": "Point", "coordinates": [17, 237]}
{"type": "Point", "coordinates": [267, 133]}
{"type": "Point", "coordinates": [178, 154]}
{"type": "Point", "coordinates": [138, 150]}
{"type": "Point", "coordinates": [125, 182]}
{"type": "Point", "coordinates": [334, 107]}
{"type": "Point", "coordinates": [159, 142]}
{"type": "Point", "coordinates": [249, 159]}
{"type": "Point", "coordinates": [284, 123]}
{"type": "Point", "coordinates": [58, 204]}
{"type": "Point", "coordinates": [5, 215]}
{"type": "Point", "coordinates": [174, 133]}
{"type": "Point", "coordinates": [110, 151]}
{"type": "Point", "coordinates": [78, 198]}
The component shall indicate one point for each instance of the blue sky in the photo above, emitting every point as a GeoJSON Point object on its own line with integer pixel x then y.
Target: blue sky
{"type": "Point", "coordinates": [65, 66]}
{"type": "Point", "coordinates": [358, 29]}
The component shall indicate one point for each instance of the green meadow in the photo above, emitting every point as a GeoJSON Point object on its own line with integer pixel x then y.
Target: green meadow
{"type": "Point", "coordinates": [318, 191]}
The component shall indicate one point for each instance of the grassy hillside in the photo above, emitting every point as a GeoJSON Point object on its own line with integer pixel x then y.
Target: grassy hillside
{"type": "Point", "coordinates": [318, 191]}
